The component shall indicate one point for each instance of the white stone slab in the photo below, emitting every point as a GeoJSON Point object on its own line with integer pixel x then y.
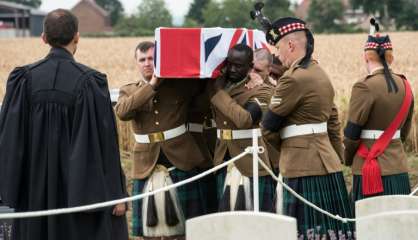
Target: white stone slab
{"type": "Point", "coordinates": [242, 226]}
{"type": "Point", "coordinates": [388, 226]}
{"type": "Point", "coordinates": [381, 204]}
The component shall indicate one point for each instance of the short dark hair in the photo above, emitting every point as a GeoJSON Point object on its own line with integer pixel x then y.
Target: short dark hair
{"type": "Point", "coordinates": [249, 54]}
{"type": "Point", "coordinates": [60, 27]}
{"type": "Point", "coordinates": [144, 46]}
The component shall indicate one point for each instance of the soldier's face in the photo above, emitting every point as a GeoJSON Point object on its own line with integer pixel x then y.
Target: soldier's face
{"type": "Point", "coordinates": [145, 62]}
{"type": "Point", "coordinates": [284, 50]}
{"type": "Point", "coordinates": [262, 68]}
{"type": "Point", "coordinates": [237, 66]}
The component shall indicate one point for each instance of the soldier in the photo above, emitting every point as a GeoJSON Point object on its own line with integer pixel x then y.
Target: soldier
{"type": "Point", "coordinates": [277, 69]}
{"type": "Point", "coordinates": [59, 142]}
{"type": "Point", "coordinates": [164, 152]}
{"type": "Point", "coordinates": [237, 110]}
{"type": "Point", "coordinates": [200, 125]}
{"type": "Point", "coordinates": [380, 112]}
{"type": "Point", "coordinates": [263, 63]}
{"type": "Point", "coordinates": [302, 110]}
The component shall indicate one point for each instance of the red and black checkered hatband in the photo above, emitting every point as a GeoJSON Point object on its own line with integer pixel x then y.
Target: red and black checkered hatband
{"type": "Point", "coordinates": [291, 28]}
{"type": "Point", "coordinates": [282, 27]}
{"type": "Point", "coordinates": [373, 43]}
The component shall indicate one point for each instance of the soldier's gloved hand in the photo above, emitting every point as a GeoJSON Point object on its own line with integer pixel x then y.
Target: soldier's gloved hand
{"type": "Point", "coordinates": [255, 80]}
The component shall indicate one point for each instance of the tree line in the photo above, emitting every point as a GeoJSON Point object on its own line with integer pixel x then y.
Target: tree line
{"type": "Point", "coordinates": [323, 15]}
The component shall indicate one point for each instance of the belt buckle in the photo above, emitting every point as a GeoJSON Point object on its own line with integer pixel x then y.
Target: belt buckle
{"type": "Point", "coordinates": [226, 134]}
{"type": "Point", "coordinates": [156, 137]}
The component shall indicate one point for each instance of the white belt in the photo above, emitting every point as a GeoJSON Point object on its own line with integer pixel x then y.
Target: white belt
{"type": "Point", "coordinates": [228, 134]}
{"type": "Point", "coordinates": [304, 129]}
{"type": "Point", "coordinates": [160, 136]}
{"type": "Point", "coordinates": [209, 123]}
{"type": "Point", "coordinates": [195, 127]}
{"type": "Point", "coordinates": [375, 134]}
{"type": "Point", "coordinates": [212, 121]}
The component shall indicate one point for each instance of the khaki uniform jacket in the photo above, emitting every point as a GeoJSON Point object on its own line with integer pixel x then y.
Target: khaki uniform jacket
{"type": "Point", "coordinates": [373, 108]}
{"type": "Point", "coordinates": [155, 111]}
{"type": "Point", "coordinates": [200, 113]}
{"type": "Point", "coordinates": [273, 143]}
{"type": "Point", "coordinates": [306, 96]}
{"type": "Point", "coordinates": [229, 113]}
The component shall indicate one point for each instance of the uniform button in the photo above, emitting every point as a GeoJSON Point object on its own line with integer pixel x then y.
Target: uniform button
{"type": "Point", "coordinates": [156, 112]}
{"type": "Point", "coordinates": [225, 123]}
{"type": "Point", "coordinates": [157, 123]}
{"type": "Point", "coordinates": [155, 101]}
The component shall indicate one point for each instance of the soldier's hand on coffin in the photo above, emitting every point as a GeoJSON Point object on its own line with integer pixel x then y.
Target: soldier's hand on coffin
{"type": "Point", "coordinates": [119, 210]}
{"type": "Point", "coordinates": [255, 81]}
{"type": "Point", "coordinates": [155, 82]}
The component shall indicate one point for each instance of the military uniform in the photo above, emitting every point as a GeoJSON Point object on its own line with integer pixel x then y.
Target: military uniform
{"type": "Point", "coordinates": [159, 120]}
{"type": "Point", "coordinates": [302, 110]}
{"type": "Point", "coordinates": [199, 124]}
{"type": "Point", "coordinates": [373, 106]}
{"type": "Point", "coordinates": [237, 110]}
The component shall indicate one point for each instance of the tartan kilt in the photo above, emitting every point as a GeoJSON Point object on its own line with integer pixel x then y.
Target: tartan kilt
{"type": "Point", "coordinates": [190, 196]}
{"type": "Point", "coordinates": [328, 192]}
{"type": "Point", "coordinates": [209, 192]}
{"type": "Point", "coordinates": [266, 187]}
{"type": "Point", "coordinates": [397, 184]}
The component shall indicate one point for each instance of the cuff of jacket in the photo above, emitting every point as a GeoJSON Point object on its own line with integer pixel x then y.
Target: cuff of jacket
{"type": "Point", "coordinates": [146, 92]}
{"type": "Point", "coordinates": [351, 147]}
{"type": "Point", "coordinates": [220, 99]}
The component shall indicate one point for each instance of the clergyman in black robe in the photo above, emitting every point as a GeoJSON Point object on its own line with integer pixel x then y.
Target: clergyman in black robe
{"type": "Point", "coordinates": [58, 142]}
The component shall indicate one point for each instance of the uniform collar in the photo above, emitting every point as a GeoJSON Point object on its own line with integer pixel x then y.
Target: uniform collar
{"type": "Point", "coordinates": [231, 86]}
{"type": "Point", "coordinates": [296, 62]}
{"type": "Point", "coordinates": [60, 53]}
{"type": "Point", "coordinates": [377, 70]}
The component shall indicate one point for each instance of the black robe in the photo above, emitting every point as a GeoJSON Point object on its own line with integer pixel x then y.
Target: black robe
{"type": "Point", "coordinates": [59, 148]}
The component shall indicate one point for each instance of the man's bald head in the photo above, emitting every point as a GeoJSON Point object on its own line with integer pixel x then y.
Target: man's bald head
{"type": "Point", "coordinates": [292, 47]}
{"type": "Point", "coordinates": [262, 62]}
{"type": "Point", "coordinates": [298, 38]}
{"type": "Point", "coordinates": [263, 54]}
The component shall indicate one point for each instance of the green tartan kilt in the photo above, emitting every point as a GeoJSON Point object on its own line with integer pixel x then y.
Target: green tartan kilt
{"type": "Point", "coordinates": [397, 184]}
{"type": "Point", "coordinates": [328, 192]}
{"type": "Point", "coordinates": [191, 198]}
{"type": "Point", "coordinates": [266, 187]}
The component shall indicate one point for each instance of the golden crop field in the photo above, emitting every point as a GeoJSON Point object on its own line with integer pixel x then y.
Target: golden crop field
{"type": "Point", "coordinates": [340, 55]}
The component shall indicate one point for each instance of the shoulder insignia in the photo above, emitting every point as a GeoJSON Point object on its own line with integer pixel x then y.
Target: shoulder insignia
{"type": "Point", "coordinates": [275, 100]}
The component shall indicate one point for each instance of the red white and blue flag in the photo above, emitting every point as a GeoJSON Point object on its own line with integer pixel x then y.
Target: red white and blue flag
{"type": "Point", "coordinates": [199, 52]}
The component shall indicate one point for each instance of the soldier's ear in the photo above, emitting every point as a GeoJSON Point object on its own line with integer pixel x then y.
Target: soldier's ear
{"type": "Point", "coordinates": [44, 39]}
{"type": "Point", "coordinates": [76, 38]}
{"type": "Point", "coordinates": [291, 45]}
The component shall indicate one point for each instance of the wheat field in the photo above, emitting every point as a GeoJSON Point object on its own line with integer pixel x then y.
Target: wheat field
{"type": "Point", "coordinates": [340, 55]}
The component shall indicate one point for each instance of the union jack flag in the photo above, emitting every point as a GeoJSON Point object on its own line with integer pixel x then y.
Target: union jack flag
{"type": "Point", "coordinates": [199, 52]}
